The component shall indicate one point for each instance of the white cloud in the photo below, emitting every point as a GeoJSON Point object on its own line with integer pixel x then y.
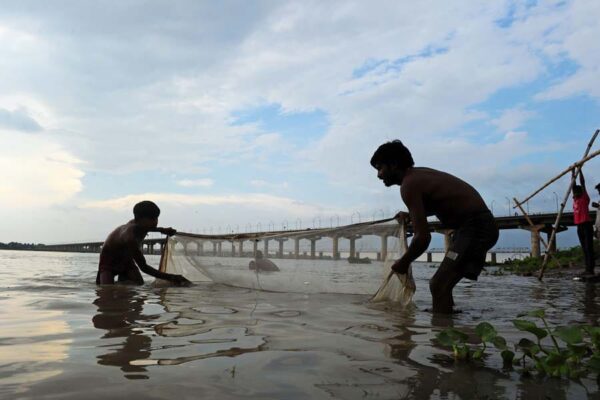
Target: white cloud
{"type": "Point", "coordinates": [204, 182]}
{"type": "Point", "coordinates": [285, 205]}
{"type": "Point", "coordinates": [258, 183]}
{"type": "Point", "coordinates": [511, 119]}
{"type": "Point", "coordinates": [37, 172]}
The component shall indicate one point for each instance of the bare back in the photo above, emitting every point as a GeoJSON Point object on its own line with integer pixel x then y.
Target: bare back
{"type": "Point", "coordinates": [444, 195]}
{"type": "Point", "coordinates": [119, 248]}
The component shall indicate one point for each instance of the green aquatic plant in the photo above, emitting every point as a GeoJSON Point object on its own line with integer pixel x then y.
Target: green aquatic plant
{"type": "Point", "coordinates": [486, 333]}
{"type": "Point", "coordinates": [567, 351]}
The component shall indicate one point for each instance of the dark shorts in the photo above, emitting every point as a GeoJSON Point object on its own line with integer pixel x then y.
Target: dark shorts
{"type": "Point", "coordinates": [470, 244]}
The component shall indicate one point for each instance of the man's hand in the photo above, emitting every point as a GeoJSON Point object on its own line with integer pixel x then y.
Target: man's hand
{"type": "Point", "coordinates": [401, 266]}
{"type": "Point", "coordinates": [402, 216]}
{"type": "Point", "coordinates": [179, 280]}
{"type": "Point", "coordinates": [167, 231]}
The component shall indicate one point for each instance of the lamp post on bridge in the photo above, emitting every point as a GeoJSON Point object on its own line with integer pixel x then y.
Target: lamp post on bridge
{"type": "Point", "coordinates": [352, 217]}
{"type": "Point", "coordinates": [508, 200]}
{"type": "Point", "coordinates": [556, 198]}
{"type": "Point", "coordinates": [492, 206]}
{"type": "Point", "coordinates": [331, 220]}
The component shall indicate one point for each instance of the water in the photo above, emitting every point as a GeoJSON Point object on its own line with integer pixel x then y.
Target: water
{"type": "Point", "coordinates": [62, 337]}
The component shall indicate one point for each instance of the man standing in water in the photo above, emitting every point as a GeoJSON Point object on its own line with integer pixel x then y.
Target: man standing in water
{"type": "Point", "coordinates": [455, 203]}
{"type": "Point", "coordinates": [583, 221]}
{"type": "Point", "coordinates": [121, 253]}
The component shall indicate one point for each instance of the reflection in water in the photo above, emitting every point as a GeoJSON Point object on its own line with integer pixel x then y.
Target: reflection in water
{"type": "Point", "coordinates": [33, 344]}
{"type": "Point", "coordinates": [120, 311]}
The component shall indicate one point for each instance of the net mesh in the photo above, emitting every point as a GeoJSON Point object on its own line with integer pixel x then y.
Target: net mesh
{"type": "Point", "coordinates": [352, 259]}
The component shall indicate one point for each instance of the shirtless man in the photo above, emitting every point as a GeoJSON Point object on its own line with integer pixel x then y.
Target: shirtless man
{"type": "Point", "coordinates": [121, 253]}
{"type": "Point", "coordinates": [455, 203]}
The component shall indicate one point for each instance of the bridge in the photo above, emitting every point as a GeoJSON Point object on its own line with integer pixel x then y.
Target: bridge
{"type": "Point", "coordinates": [542, 223]}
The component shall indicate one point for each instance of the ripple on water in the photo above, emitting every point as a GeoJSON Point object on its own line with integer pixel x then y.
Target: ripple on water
{"type": "Point", "coordinates": [287, 313]}
{"type": "Point", "coordinates": [217, 310]}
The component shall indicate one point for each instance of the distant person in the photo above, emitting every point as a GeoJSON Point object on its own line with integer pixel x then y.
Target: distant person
{"type": "Point", "coordinates": [121, 256]}
{"type": "Point", "coordinates": [262, 264]}
{"type": "Point", "coordinates": [583, 221]}
{"type": "Point", "coordinates": [455, 203]}
{"type": "Point", "coordinates": [597, 222]}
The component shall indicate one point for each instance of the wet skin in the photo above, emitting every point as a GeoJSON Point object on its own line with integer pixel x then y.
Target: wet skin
{"type": "Point", "coordinates": [122, 254]}
{"type": "Point", "coordinates": [428, 192]}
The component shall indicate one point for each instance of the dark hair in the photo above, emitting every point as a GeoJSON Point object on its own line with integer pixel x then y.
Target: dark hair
{"type": "Point", "coordinates": [392, 153]}
{"type": "Point", "coordinates": [597, 186]}
{"type": "Point", "coordinates": [146, 209]}
{"type": "Point", "coordinates": [577, 190]}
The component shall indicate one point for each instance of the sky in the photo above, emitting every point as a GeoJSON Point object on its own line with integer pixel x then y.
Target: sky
{"type": "Point", "coordinates": [238, 116]}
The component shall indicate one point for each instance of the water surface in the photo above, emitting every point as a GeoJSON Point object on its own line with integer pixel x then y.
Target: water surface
{"type": "Point", "coordinates": [63, 337]}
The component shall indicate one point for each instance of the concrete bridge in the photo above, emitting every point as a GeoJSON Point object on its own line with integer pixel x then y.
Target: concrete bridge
{"type": "Point", "coordinates": [149, 246]}
{"type": "Point", "coordinates": [542, 224]}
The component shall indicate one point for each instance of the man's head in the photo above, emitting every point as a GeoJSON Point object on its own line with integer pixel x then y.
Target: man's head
{"type": "Point", "coordinates": [577, 190]}
{"type": "Point", "coordinates": [598, 188]}
{"type": "Point", "coordinates": [146, 214]}
{"type": "Point", "coordinates": [391, 160]}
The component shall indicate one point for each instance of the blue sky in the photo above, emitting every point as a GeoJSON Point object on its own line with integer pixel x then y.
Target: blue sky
{"type": "Point", "coordinates": [235, 114]}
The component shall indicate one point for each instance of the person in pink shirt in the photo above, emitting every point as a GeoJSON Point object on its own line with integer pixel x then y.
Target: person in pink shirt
{"type": "Point", "coordinates": [583, 221]}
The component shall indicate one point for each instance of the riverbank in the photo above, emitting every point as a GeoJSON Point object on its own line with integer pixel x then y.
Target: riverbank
{"type": "Point", "coordinates": [567, 260]}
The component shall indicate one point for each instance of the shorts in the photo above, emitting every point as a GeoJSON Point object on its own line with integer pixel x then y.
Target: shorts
{"type": "Point", "coordinates": [470, 244]}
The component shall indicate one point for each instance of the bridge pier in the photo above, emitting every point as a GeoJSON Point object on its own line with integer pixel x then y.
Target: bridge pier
{"type": "Point", "coordinates": [384, 247]}
{"type": "Point", "coordinates": [535, 239]}
{"type": "Point", "coordinates": [241, 248]}
{"type": "Point", "coordinates": [297, 247]}
{"type": "Point", "coordinates": [353, 244]}
{"type": "Point", "coordinates": [335, 250]}
{"type": "Point", "coordinates": [254, 248]}
{"type": "Point", "coordinates": [280, 251]}
{"type": "Point", "coordinates": [313, 246]}
{"type": "Point", "coordinates": [266, 248]}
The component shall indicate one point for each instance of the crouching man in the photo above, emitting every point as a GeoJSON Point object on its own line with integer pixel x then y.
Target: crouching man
{"type": "Point", "coordinates": [455, 203]}
{"type": "Point", "coordinates": [121, 256]}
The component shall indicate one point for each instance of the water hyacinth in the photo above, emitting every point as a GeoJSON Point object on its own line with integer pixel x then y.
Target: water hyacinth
{"type": "Point", "coordinates": [570, 352]}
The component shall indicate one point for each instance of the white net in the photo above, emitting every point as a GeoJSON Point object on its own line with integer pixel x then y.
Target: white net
{"type": "Point", "coordinates": [353, 259]}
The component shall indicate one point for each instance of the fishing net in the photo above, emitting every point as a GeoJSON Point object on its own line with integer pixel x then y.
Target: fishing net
{"type": "Point", "coordinates": [352, 259]}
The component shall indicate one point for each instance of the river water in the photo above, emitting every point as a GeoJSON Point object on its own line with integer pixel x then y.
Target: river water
{"type": "Point", "coordinates": [62, 337]}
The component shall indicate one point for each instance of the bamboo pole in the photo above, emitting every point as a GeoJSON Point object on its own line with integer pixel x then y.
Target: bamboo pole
{"type": "Point", "coordinates": [546, 245]}
{"type": "Point", "coordinates": [570, 168]}
{"type": "Point", "coordinates": [567, 194]}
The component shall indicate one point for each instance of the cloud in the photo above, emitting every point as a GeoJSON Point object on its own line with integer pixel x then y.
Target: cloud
{"type": "Point", "coordinates": [37, 172]}
{"type": "Point", "coordinates": [257, 183]}
{"type": "Point", "coordinates": [511, 119]}
{"type": "Point", "coordinates": [565, 33]}
{"type": "Point", "coordinates": [288, 206]}
{"type": "Point", "coordinates": [18, 120]}
{"type": "Point", "coordinates": [204, 182]}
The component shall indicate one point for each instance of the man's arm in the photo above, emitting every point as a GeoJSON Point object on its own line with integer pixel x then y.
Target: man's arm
{"type": "Point", "coordinates": [165, 231]}
{"type": "Point", "coordinates": [582, 180]}
{"type": "Point", "coordinates": [140, 260]}
{"type": "Point", "coordinates": [421, 238]}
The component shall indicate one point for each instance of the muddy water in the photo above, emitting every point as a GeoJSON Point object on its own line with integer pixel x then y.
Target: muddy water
{"type": "Point", "coordinates": [62, 337]}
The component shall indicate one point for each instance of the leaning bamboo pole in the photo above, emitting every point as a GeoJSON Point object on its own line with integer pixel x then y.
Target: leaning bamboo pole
{"type": "Point", "coordinates": [530, 222]}
{"type": "Point", "coordinates": [566, 171]}
{"type": "Point", "coordinates": [577, 169]}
